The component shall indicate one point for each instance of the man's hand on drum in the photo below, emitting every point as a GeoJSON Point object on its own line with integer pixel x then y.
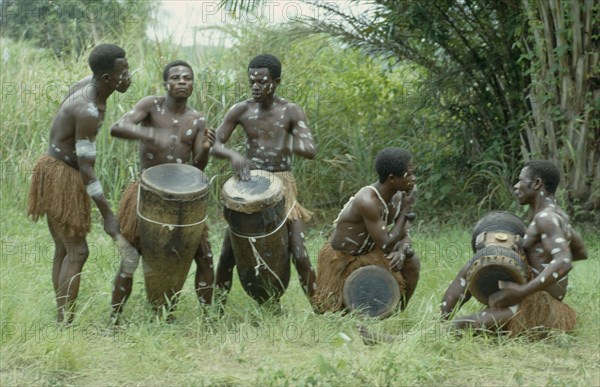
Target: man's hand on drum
{"type": "Point", "coordinates": [241, 167]}
{"type": "Point", "coordinates": [510, 293]}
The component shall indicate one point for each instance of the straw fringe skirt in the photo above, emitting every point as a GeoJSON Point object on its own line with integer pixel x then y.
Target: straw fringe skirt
{"type": "Point", "coordinates": [290, 192]}
{"type": "Point", "coordinates": [541, 312]}
{"type": "Point", "coordinates": [57, 191]}
{"type": "Point", "coordinates": [333, 267]}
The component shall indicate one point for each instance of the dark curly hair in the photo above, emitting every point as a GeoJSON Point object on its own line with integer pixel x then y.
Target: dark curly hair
{"type": "Point", "coordinates": [392, 161]}
{"type": "Point", "coordinates": [103, 56]}
{"type": "Point", "coordinates": [173, 64]}
{"type": "Point", "coordinates": [267, 61]}
{"type": "Point", "coordinates": [545, 170]}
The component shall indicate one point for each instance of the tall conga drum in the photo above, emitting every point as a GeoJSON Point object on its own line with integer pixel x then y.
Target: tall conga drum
{"type": "Point", "coordinates": [496, 240]}
{"type": "Point", "coordinates": [255, 212]}
{"type": "Point", "coordinates": [171, 214]}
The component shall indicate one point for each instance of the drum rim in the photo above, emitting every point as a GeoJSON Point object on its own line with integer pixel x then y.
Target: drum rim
{"type": "Point", "coordinates": [242, 205]}
{"type": "Point", "coordinates": [520, 268]}
{"type": "Point", "coordinates": [150, 186]}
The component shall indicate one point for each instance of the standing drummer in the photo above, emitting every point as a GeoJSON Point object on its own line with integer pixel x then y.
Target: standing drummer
{"type": "Point", "coordinates": [550, 245]}
{"type": "Point", "coordinates": [170, 132]}
{"type": "Point", "coordinates": [275, 130]}
{"type": "Point", "coordinates": [64, 180]}
{"type": "Point", "coordinates": [362, 235]}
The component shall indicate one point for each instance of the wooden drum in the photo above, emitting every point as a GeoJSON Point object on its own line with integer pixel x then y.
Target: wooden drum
{"type": "Point", "coordinates": [171, 214]}
{"type": "Point", "coordinates": [372, 291]}
{"type": "Point", "coordinates": [496, 241]}
{"type": "Point", "coordinates": [257, 220]}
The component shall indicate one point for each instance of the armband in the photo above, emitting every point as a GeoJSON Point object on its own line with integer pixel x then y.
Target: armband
{"type": "Point", "coordinates": [85, 148]}
{"type": "Point", "coordinates": [94, 189]}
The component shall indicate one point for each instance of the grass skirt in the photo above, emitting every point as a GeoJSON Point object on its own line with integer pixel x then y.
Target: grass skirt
{"type": "Point", "coordinates": [128, 215]}
{"type": "Point", "coordinates": [333, 267]}
{"type": "Point", "coordinates": [290, 192]}
{"type": "Point", "coordinates": [57, 191]}
{"type": "Point", "coordinates": [541, 312]}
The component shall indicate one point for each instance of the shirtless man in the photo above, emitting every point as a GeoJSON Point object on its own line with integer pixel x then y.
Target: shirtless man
{"type": "Point", "coordinates": [170, 132]}
{"type": "Point", "coordinates": [550, 244]}
{"type": "Point", "coordinates": [64, 177]}
{"type": "Point", "coordinates": [275, 130]}
{"type": "Point", "coordinates": [362, 235]}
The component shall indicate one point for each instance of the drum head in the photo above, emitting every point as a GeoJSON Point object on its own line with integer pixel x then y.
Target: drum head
{"type": "Point", "coordinates": [175, 180]}
{"type": "Point", "coordinates": [372, 291]}
{"type": "Point", "coordinates": [263, 190]}
{"type": "Point", "coordinates": [490, 265]}
{"type": "Point", "coordinates": [502, 221]}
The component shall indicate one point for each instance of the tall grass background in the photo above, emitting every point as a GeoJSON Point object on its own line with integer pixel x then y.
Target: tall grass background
{"type": "Point", "coordinates": [355, 107]}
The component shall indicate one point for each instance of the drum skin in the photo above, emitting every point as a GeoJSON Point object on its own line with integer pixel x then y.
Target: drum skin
{"type": "Point", "coordinates": [371, 291]}
{"type": "Point", "coordinates": [254, 209]}
{"type": "Point", "coordinates": [170, 194]}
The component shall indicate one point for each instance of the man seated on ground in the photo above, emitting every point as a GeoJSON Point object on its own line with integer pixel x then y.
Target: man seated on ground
{"type": "Point", "coordinates": [171, 132]}
{"type": "Point", "coordinates": [362, 235]}
{"type": "Point", "coordinates": [550, 245]}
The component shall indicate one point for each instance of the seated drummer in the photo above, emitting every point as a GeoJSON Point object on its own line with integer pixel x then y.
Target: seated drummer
{"type": "Point", "coordinates": [550, 245]}
{"type": "Point", "coordinates": [362, 235]}
{"type": "Point", "coordinates": [275, 130]}
{"type": "Point", "coordinates": [170, 132]}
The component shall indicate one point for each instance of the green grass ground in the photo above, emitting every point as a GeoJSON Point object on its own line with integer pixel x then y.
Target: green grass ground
{"type": "Point", "coordinates": [253, 346]}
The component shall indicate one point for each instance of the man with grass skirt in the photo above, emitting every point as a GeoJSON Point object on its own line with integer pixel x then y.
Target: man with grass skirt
{"type": "Point", "coordinates": [275, 130]}
{"type": "Point", "coordinates": [170, 132]}
{"type": "Point", "coordinates": [64, 178]}
{"type": "Point", "coordinates": [362, 235]}
{"type": "Point", "coordinates": [550, 245]}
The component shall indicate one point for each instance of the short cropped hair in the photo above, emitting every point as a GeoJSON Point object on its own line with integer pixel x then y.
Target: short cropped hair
{"type": "Point", "coordinates": [267, 61]}
{"type": "Point", "coordinates": [173, 64]}
{"type": "Point", "coordinates": [392, 161]}
{"type": "Point", "coordinates": [103, 57]}
{"type": "Point", "coordinates": [545, 170]}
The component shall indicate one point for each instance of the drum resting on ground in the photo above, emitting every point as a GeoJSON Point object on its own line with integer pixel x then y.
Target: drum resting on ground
{"type": "Point", "coordinates": [171, 213]}
{"type": "Point", "coordinates": [255, 212]}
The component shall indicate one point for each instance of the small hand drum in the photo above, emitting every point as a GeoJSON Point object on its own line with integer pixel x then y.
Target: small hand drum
{"type": "Point", "coordinates": [371, 290]}
{"type": "Point", "coordinates": [492, 264]}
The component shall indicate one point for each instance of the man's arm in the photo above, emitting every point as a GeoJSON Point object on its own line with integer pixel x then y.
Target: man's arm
{"type": "Point", "coordinates": [578, 249]}
{"type": "Point", "coordinates": [230, 121]}
{"type": "Point", "coordinates": [205, 138]}
{"type": "Point", "coordinates": [127, 126]}
{"type": "Point", "coordinates": [554, 241]}
{"type": "Point", "coordinates": [457, 293]}
{"type": "Point", "coordinates": [368, 207]}
{"type": "Point", "coordinates": [304, 143]}
{"type": "Point", "coordinates": [85, 148]}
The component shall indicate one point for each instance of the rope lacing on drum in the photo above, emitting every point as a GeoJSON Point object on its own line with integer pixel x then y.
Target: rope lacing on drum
{"type": "Point", "coordinates": [169, 225]}
{"type": "Point", "coordinates": [259, 259]}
